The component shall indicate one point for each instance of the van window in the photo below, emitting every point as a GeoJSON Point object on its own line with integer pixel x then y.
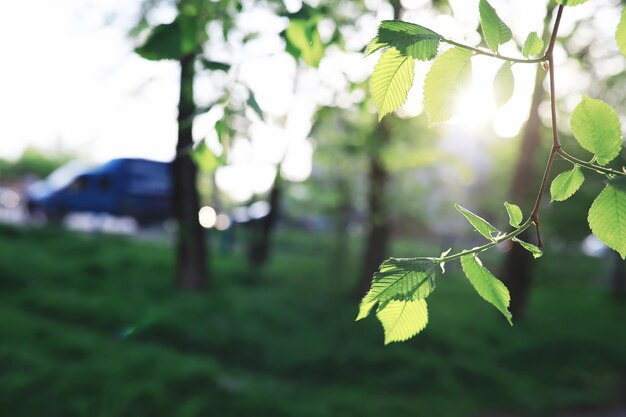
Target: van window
{"type": "Point", "coordinates": [104, 183]}
{"type": "Point", "coordinates": [78, 184]}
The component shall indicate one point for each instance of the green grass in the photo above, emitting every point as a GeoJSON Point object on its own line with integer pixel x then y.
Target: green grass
{"type": "Point", "coordinates": [92, 326]}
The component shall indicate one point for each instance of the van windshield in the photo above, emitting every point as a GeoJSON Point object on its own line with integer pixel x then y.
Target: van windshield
{"type": "Point", "coordinates": [64, 175]}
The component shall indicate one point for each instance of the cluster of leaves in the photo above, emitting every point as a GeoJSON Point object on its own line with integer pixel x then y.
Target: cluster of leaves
{"type": "Point", "coordinates": [400, 288]}
{"type": "Point", "coordinates": [450, 73]}
{"type": "Point", "coordinates": [597, 128]}
{"type": "Point", "coordinates": [185, 37]}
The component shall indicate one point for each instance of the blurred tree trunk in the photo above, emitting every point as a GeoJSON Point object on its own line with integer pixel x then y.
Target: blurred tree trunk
{"type": "Point", "coordinates": [191, 245]}
{"type": "Point", "coordinates": [379, 227]}
{"type": "Point", "coordinates": [341, 251]}
{"type": "Point", "coordinates": [619, 276]}
{"type": "Point", "coordinates": [516, 270]}
{"type": "Point", "coordinates": [261, 240]}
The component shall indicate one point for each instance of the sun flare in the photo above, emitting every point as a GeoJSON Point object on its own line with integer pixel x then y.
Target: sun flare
{"type": "Point", "coordinates": [476, 107]}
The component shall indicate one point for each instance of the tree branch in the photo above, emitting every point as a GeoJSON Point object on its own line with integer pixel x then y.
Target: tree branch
{"type": "Point", "coordinates": [556, 143]}
{"type": "Point", "coordinates": [556, 147]}
{"type": "Point", "coordinates": [486, 246]}
{"type": "Point", "coordinates": [492, 55]}
{"type": "Point", "coordinates": [589, 165]}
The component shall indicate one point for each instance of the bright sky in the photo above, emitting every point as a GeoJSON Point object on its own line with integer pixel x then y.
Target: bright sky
{"type": "Point", "coordinates": [70, 80]}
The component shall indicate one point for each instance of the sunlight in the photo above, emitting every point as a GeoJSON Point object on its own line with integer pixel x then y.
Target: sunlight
{"type": "Point", "coordinates": [476, 107]}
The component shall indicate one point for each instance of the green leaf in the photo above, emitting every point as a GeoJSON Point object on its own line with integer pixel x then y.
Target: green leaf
{"type": "Point", "coordinates": [304, 37]}
{"type": "Point", "coordinates": [481, 225]}
{"type": "Point", "coordinates": [503, 84]}
{"type": "Point", "coordinates": [619, 183]}
{"type": "Point", "coordinates": [374, 46]}
{"type": "Point", "coordinates": [533, 45]}
{"type": "Point", "coordinates": [566, 184]}
{"type": "Point", "coordinates": [391, 81]}
{"type": "Point", "coordinates": [220, 128]}
{"type": "Point", "coordinates": [364, 309]}
{"type": "Point", "coordinates": [447, 76]}
{"type": "Point", "coordinates": [496, 32]}
{"type": "Point", "coordinates": [410, 39]}
{"type": "Point", "coordinates": [254, 105]}
{"type": "Point", "coordinates": [515, 214]}
{"type": "Point", "coordinates": [596, 126]}
{"type": "Point", "coordinates": [571, 2]}
{"type": "Point", "coordinates": [171, 41]}
{"type": "Point", "coordinates": [536, 252]}
{"type": "Point", "coordinates": [402, 279]}
{"type": "Point", "coordinates": [214, 65]}
{"type": "Point", "coordinates": [205, 159]}
{"type": "Point", "coordinates": [486, 285]}
{"type": "Point", "coordinates": [620, 34]}
{"type": "Point", "coordinates": [402, 320]}
{"type": "Point", "coordinates": [607, 218]}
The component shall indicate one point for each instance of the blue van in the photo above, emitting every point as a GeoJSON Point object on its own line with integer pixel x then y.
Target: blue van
{"type": "Point", "coordinates": [139, 188]}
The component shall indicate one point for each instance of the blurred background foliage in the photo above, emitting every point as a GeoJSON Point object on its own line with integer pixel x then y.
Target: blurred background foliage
{"type": "Point", "coordinates": [94, 324]}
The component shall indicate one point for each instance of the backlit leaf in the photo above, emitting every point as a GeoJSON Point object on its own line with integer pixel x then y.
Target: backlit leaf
{"type": "Point", "coordinates": [364, 309]}
{"type": "Point", "coordinates": [205, 159]}
{"type": "Point", "coordinates": [495, 31]}
{"type": "Point", "coordinates": [402, 279]}
{"type": "Point", "coordinates": [596, 126]}
{"type": "Point", "coordinates": [402, 320]}
{"type": "Point", "coordinates": [447, 76]}
{"type": "Point", "coordinates": [566, 184]}
{"type": "Point", "coordinates": [515, 214]}
{"type": "Point", "coordinates": [254, 105]}
{"type": "Point", "coordinates": [214, 65]}
{"type": "Point", "coordinates": [533, 45]}
{"type": "Point", "coordinates": [304, 37]}
{"type": "Point", "coordinates": [607, 218]}
{"type": "Point", "coordinates": [481, 225]}
{"type": "Point", "coordinates": [391, 81]}
{"type": "Point", "coordinates": [486, 285]}
{"type": "Point", "coordinates": [374, 46]}
{"type": "Point", "coordinates": [410, 39]}
{"type": "Point", "coordinates": [536, 252]}
{"type": "Point", "coordinates": [171, 41]}
{"type": "Point", "coordinates": [620, 34]}
{"type": "Point", "coordinates": [619, 183]}
{"type": "Point", "coordinates": [503, 84]}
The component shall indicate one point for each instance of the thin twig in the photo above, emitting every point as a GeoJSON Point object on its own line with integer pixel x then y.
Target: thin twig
{"type": "Point", "coordinates": [555, 31]}
{"type": "Point", "coordinates": [502, 57]}
{"type": "Point", "coordinates": [534, 215]}
{"type": "Point", "coordinates": [486, 246]}
{"type": "Point", "coordinates": [589, 165]}
{"type": "Point", "coordinates": [556, 149]}
{"type": "Point", "coordinates": [556, 143]}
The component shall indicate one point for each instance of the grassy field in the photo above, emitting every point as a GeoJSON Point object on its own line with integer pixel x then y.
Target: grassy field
{"type": "Point", "coordinates": [91, 326]}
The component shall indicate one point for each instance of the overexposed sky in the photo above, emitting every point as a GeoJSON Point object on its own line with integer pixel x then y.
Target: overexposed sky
{"type": "Point", "coordinates": [70, 80]}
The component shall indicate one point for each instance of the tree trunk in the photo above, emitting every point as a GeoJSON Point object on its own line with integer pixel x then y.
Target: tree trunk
{"type": "Point", "coordinates": [191, 245]}
{"type": "Point", "coordinates": [619, 276]}
{"type": "Point", "coordinates": [379, 228]}
{"type": "Point", "coordinates": [260, 242]}
{"type": "Point", "coordinates": [516, 270]}
{"type": "Point", "coordinates": [340, 254]}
